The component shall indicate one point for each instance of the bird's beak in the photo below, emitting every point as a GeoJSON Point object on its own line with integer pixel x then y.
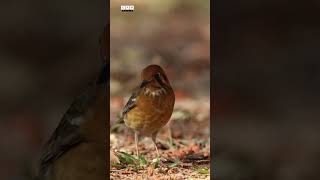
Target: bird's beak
{"type": "Point", "coordinates": [144, 83]}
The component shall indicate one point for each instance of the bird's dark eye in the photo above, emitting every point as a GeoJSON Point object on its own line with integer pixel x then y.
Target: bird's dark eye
{"type": "Point", "coordinates": [160, 78]}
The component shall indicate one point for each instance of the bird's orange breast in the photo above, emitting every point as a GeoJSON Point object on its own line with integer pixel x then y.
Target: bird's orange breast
{"type": "Point", "coordinates": [152, 111]}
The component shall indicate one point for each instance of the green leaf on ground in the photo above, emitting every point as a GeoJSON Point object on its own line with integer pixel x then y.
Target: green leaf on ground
{"type": "Point", "coordinates": [142, 161]}
{"type": "Point", "coordinates": [203, 170]}
{"type": "Point", "coordinates": [155, 162]}
{"type": "Point", "coordinates": [174, 164]}
{"type": "Point", "coordinates": [127, 158]}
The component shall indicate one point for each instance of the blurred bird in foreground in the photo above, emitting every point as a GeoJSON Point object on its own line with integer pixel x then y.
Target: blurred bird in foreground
{"type": "Point", "coordinates": [150, 106]}
{"type": "Point", "coordinates": [77, 150]}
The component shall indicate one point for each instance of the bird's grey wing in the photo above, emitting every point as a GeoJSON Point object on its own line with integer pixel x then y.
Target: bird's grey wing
{"type": "Point", "coordinates": [131, 103]}
{"type": "Point", "coordinates": [132, 100]}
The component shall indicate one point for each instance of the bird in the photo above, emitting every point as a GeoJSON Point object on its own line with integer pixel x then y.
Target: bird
{"type": "Point", "coordinates": [77, 149]}
{"type": "Point", "coordinates": [150, 106]}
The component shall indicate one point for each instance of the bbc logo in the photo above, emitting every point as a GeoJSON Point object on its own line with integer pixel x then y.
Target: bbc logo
{"type": "Point", "coordinates": [127, 7]}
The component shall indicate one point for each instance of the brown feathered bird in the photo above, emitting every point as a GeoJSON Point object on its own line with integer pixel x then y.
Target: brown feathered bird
{"type": "Point", "coordinates": [77, 150]}
{"type": "Point", "coordinates": [150, 106]}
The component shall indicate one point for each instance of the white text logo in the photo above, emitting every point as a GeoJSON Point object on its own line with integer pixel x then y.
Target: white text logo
{"type": "Point", "coordinates": [127, 7]}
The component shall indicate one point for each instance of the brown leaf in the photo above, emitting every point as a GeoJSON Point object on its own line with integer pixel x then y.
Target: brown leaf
{"type": "Point", "coordinates": [150, 171]}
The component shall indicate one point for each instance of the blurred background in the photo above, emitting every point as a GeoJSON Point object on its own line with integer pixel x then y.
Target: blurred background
{"type": "Point", "coordinates": [174, 34]}
{"type": "Point", "coordinates": [266, 81]}
{"type": "Point", "coordinates": [49, 52]}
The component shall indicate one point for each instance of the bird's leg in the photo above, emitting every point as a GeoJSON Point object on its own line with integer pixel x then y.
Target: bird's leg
{"type": "Point", "coordinates": [136, 140]}
{"type": "Point", "coordinates": [154, 136]}
{"type": "Point", "coordinates": [170, 134]}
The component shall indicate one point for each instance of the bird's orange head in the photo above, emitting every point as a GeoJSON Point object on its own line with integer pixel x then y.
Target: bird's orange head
{"type": "Point", "coordinates": [155, 76]}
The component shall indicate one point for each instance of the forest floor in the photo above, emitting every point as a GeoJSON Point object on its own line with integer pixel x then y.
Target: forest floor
{"type": "Point", "coordinates": [184, 156]}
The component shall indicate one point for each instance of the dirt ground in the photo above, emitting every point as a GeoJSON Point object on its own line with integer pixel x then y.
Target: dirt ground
{"type": "Point", "coordinates": [185, 156]}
